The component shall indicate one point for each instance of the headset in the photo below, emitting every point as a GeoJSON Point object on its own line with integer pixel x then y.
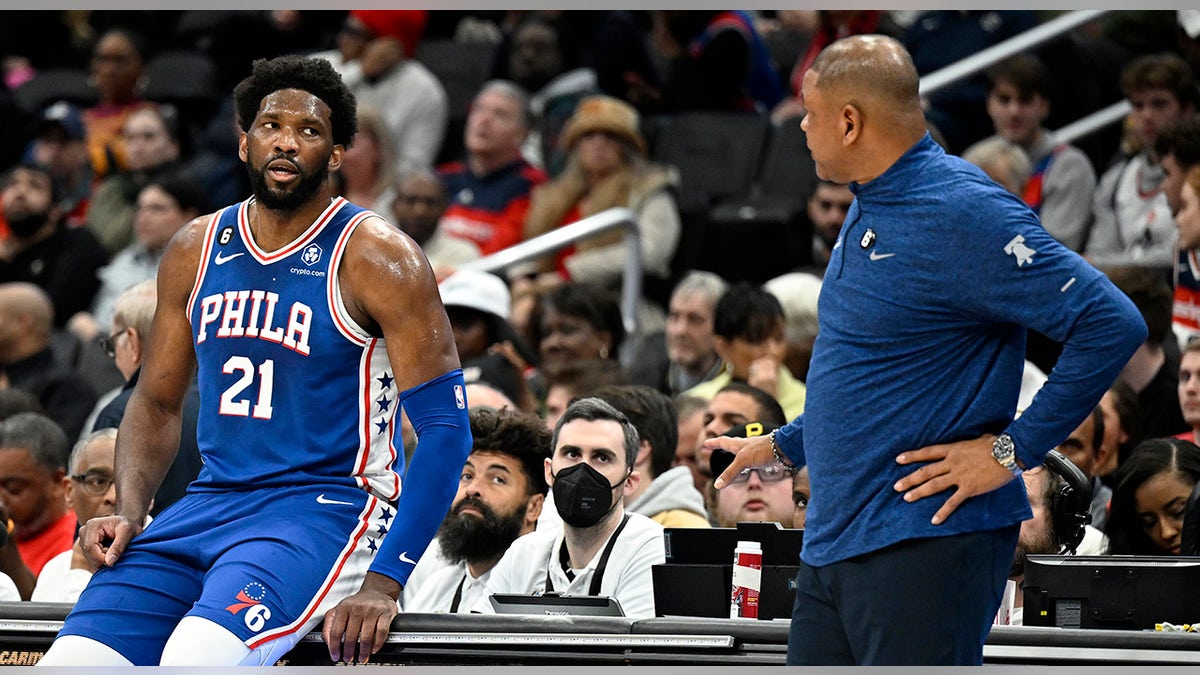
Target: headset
{"type": "Point", "coordinates": [1071, 504]}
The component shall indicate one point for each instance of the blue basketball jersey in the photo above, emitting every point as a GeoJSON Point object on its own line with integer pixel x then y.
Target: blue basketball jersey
{"type": "Point", "coordinates": [292, 390]}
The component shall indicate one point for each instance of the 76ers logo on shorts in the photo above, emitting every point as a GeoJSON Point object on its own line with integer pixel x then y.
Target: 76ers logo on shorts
{"type": "Point", "coordinates": [250, 599]}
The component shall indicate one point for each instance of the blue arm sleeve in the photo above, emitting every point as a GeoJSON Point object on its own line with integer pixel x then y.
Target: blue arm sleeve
{"type": "Point", "coordinates": [438, 412]}
{"type": "Point", "coordinates": [1059, 294]}
{"type": "Point", "coordinates": [1096, 346]}
{"type": "Point", "coordinates": [790, 439]}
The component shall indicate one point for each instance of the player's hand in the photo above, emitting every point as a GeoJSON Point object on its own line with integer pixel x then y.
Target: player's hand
{"type": "Point", "coordinates": [755, 451]}
{"type": "Point", "coordinates": [80, 561]}
{"type": "Point", "coordinates": [359, 625]}
{"type": "Point", "coordinates": [967, 466]}
{"type": "Point", "coordinates": [103, 540]}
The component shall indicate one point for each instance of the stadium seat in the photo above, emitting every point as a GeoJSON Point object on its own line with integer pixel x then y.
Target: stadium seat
{"type": "Point", "coordinates": [461, 67]}
{"type": "Point", "coordinates": [53, 85]}
{"type": "Point", "coordinates": [717, 154]}
{"type": "Point", "coordinates": [762, 230]}
{"type": "Point", "coordinates": [180, 76]}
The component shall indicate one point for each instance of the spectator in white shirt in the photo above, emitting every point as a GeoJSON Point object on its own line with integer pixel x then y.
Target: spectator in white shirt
{"type": "Point", "coordinates": [600, 549]}
{"type": "Point", "coordinates": [375, 59]}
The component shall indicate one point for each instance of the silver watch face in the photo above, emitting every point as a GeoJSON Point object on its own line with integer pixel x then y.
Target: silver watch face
{"type": "Point", "coordinates": [1003, 449]}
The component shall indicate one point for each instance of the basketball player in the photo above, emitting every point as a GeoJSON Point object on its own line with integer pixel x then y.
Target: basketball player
{"type": "Point", "coordinates": [310, 321]}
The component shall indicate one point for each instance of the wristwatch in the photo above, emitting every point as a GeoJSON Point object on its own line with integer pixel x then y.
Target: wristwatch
{"type": "Point", "coordinates": [1005, 452]}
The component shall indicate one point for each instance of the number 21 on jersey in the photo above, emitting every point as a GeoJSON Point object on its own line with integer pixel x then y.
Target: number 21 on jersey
{"type": "Point", "coordinates": [231, 404]}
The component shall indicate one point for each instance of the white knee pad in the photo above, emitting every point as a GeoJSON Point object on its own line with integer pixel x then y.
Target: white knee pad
{"type": "Point", "coordinates": [76, 650]}
{"type": "Point", "coordinates": [196, 641]}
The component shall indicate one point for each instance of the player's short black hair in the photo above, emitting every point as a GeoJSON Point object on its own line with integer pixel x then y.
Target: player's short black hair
{"type": "Point", "coordinates": [313, 75]}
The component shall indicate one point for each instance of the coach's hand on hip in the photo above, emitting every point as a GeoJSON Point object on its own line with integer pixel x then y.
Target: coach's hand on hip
{"type": "Point", "coordinates": [966, 465]}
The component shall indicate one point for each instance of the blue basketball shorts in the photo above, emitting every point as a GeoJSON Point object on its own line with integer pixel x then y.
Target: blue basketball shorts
{"type": "Point", "coordinates": [265, 564]}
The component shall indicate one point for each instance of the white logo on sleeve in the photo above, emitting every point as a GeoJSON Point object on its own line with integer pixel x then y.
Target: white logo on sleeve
{"type": "Point", "coordinates": [221, 258]}
{"type": "Point", "coordinates": [322, 499]}
{"type": "Point", "coordinates": [404, 558]}
{"type": "Point", "coordinates": [876, 255]}
{"type": "Point", "coordinates": [1017, 249]}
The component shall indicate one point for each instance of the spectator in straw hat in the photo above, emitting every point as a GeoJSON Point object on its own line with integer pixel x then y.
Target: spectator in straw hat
{"type": "Point", "coordinates": [607, 167]}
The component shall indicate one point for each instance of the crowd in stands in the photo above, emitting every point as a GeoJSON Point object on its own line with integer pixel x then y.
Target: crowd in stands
{"type": "Point", "coordinates": [480, 130]}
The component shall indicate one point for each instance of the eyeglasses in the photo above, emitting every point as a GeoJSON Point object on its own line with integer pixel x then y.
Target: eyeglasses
{"type": "Point", "coordinates": [95, 482]}
{"type": "Point", "coordinates": [109, 344]}
{"type": "Point", "coordinates": [771, 473]}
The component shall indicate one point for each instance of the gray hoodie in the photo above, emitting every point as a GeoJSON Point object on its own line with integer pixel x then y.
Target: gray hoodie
{"type": "Point", "coordinates": [671, 490]}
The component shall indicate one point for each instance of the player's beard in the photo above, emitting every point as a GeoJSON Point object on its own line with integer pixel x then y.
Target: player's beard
{"type": "Point", "coordinates": [469, 537]}
{"type": "Point", "coordinates": [287, 199]}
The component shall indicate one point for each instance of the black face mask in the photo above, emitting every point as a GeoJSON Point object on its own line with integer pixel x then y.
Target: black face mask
{"type": "Point", "coordinates": [582, 495]}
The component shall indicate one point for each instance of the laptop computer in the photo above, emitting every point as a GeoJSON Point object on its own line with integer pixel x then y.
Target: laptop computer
{"type": "Point", "coordinates": [554, 604]}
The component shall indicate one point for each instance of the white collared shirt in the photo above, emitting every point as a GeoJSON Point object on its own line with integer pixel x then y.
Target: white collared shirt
{"type": "Point", "coordinates": [627, 576]}
{"type": "Point", "coordinates": [437, 591]}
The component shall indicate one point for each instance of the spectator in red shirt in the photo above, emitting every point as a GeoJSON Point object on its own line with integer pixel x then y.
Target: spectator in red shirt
{"type": "Point", "coordinates": [489, 191]}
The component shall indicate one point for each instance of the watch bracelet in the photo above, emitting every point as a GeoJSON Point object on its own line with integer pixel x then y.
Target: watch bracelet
{"type": "Point", "coordinates": [779, 456]}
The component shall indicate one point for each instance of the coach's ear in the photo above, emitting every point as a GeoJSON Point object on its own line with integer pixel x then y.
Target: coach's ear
{"type": "Point", "coordinates": [851, 123]}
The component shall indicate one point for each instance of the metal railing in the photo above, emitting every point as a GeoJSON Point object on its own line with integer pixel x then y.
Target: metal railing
{"type": "Point", "coordinates": [1014, 45]}
{"type": "Point", "coordinates": [1020, 43]}
{"type": "Point", "coordinates": [541, 245]}
{"type": "Point", "coordinates": [623, 218]}
{"type": "Point", "coordinates": [1094, 122]}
